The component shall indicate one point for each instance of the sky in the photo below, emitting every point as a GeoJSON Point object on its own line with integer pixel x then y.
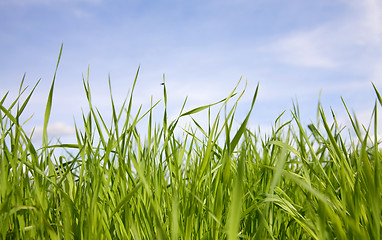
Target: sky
{"type": "Point", "coordinates": [297, 51]}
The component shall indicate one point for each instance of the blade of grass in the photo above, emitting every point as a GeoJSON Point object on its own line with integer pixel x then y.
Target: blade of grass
{"type": "Point", "coordinates": [49, 104]}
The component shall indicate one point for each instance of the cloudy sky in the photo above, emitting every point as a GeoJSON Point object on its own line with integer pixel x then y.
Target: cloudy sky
{"type": "Point", "coordinates": [293, 49]}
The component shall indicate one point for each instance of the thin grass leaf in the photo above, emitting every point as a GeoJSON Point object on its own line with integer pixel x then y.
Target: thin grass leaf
{"type": "Point", "coordinates": [49, 104]}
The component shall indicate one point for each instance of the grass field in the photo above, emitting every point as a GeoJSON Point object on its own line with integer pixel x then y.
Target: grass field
{"type": "Point", "coordinates": [221, 182]}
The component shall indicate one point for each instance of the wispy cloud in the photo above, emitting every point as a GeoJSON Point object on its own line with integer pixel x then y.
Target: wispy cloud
{"type": "Point", "coordinates": [56, 129]}
{"type": "Point", "coordinates": [304, 48]}
{"type": "Point", "coordinates": [369, 20]}
{"type": "Point", "coordinates": [338, 43]}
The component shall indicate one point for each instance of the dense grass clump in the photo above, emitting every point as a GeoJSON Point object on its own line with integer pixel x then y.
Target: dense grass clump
{"type": "Point", "coordinates": [213, 183]}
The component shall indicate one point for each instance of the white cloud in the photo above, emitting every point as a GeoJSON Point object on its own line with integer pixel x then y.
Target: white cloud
{"type": "Point", "coordinates": [372, 25]}
{"type": "Point", "coordinates": [304, 48]}
{"type": "Point", "coordinates": [350, 40]}
{"type": "Point", "coordinates": [369, 20]}
{"type": "Point", "coordinates": [56, 129]}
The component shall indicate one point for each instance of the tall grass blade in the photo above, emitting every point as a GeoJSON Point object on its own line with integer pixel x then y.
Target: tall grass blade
{"type": "Point", "coordinates": [49, 104]}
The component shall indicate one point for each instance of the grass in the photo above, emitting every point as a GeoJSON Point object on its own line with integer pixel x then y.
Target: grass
{"type": "Point", "coordinates": [215, 183]}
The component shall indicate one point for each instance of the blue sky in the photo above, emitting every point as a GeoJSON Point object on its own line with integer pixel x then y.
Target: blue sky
{"type": "Point", "coordinates": [294, 49]}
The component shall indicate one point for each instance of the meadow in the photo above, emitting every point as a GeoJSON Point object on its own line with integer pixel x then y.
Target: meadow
{"type": "Point", "coordinates": [219, 182]}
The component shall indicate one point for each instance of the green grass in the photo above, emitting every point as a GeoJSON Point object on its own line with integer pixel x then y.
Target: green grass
{"type": "Point", "coordinates": [219, 182]}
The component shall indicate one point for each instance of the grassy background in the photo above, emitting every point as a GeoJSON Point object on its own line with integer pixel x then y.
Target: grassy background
{"type": "Point", "coordinates": [216, 183]}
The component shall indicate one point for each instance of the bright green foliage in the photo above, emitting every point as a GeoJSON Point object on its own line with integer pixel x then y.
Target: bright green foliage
{"type": "Point", "coordinates": [296, 183]}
